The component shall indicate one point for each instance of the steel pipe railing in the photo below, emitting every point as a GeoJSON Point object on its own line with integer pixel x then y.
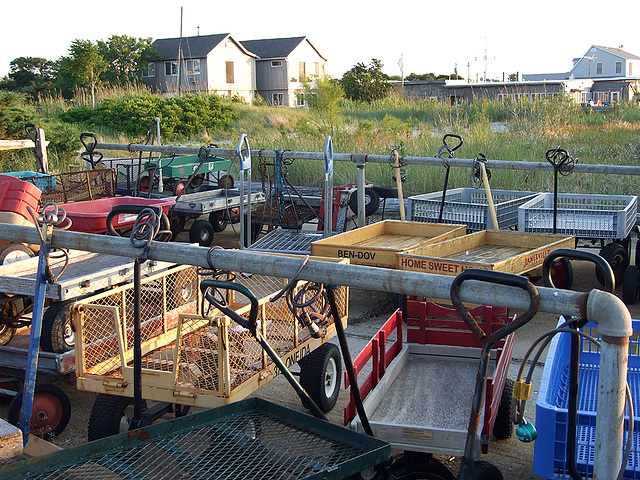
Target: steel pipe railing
{"type": "Point", "coordinates": [355, 157]}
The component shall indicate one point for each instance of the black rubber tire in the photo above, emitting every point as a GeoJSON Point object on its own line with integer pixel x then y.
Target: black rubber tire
{"type": "Point", "coordinates": [182, 288]}
{"type": "Point", "coordinates": [386, 192]}
{"type": "Point", "coordinates": [320, 375]}
{"type": "Point", "coordinates": [50, 413]}
{"type": "Point", "coordinates": [7, 310]}
{"type": "Point", "coordinates": [618, 257]}
{"type": "Point", "coordinates": [400, 302]}
{"type": "Point", "coordinates": [630, 285]}
{"type": "Point", "coordinates": [219, 220]}
{"type": "Point", "coordinates": [143, 184]}
{"type": "Point", "coordinates": [503, 426]}
{"type": "Point", "coordinates": [201, 232]}
{"type": "Point", "coordinates": [256, 230]}
{"type": "Point", "coordinates": [226, 181]}
{"type": "Point", "coordinates": [485, 471]}
{"type": "Point", "coordinates": [58, 331]}
{"type": "Point", "coordinates": [562, 273]}
{"type": "Point", "coordinates": [110, 415]}
{"type": "Point", "coordinates": [15, 252]}
{"type": "Point", "coordinates": [371, 202]}
{"type": "Point", "coordinates": [637, 253]}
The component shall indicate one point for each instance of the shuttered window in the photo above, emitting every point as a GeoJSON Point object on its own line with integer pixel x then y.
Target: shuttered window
{"type": "Point", "coordinates": [230, 75]}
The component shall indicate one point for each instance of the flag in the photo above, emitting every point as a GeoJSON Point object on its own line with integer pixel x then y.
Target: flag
{"type": "Point", "coordinates": [401, 65]}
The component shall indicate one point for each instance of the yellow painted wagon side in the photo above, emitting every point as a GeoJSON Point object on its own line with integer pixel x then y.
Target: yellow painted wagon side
{"type": "Point", "coordinates": [377, 244]}
{"type": "Point", "coordinates": [511, 252]}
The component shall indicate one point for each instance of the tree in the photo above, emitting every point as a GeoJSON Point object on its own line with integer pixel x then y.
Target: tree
{"type": "Point", "coordinates": [364, 83]}
{"type": "Point", "coordinates": [87, 63]}
{"type": "Point", "coordinates": [124, 56]}
{"type": "Point", "coordinates": [324, 97]}
{"type": "Point", "coordinates": [31, 75]}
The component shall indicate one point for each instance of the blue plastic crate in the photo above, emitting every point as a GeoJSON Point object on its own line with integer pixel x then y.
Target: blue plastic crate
{"type": "Point", "coordinates": [40, 180]}
{"type": "Point", "coordinates": [549, 459]}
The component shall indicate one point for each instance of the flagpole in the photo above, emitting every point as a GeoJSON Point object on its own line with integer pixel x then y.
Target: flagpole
{"type": "Point", "coordinates": [401, 65]}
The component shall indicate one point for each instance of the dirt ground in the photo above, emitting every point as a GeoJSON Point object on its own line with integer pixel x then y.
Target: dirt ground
{"type": "Point", "coordinates": [513, 458]}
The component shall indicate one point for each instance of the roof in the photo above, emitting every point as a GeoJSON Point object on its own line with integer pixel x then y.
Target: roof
{"type": "Point", "coordinates": [192, 47]}
{"type": "Point", "coordinates": [276, 47]}
{"type": "Point", "coordinates": [619, 52]}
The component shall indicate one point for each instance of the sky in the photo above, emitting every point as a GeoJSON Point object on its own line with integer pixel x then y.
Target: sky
{"type": "Point", "coordinates": [437, 37]}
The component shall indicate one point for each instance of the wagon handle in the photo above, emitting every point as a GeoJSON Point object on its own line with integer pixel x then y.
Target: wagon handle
{"type": "Point", "coordinates": [500, 278]}
{"type": "Point", "coordinates": [224, 308]}
{"type": "Point", "coordinates": [91, 146]}
{"type": "Point", "coordinates": [601, 263]}
{"type": "Point", "coordinates": [458, 144]}
{"type": "Point", "coordinates": [32, 132]}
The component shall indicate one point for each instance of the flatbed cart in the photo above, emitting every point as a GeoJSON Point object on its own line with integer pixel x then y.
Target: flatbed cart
{"type": "Point", "coordinates": [194, 360]}
{"type": "Point", "coordinates": [86, 274]}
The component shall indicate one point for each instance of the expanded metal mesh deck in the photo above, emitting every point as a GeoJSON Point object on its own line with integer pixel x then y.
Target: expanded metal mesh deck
{"type": "Point", "coordinates": [287, 241]}
{"type": "Point", "coordinates": [252, 439]}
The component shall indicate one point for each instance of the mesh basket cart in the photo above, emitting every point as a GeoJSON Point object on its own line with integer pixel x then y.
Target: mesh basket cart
{"type": "Point", "coordinates": [80, 186]}
{"type": "Point", "coordinates": [189, 359]}
{"type": "Point", "coordinates": [468, 206]}
{"type": "Point", "coordinates": [583, 216]}
{"type": "Point", "coordinates": [249, 439]}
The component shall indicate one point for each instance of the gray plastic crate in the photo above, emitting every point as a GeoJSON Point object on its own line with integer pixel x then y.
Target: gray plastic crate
{"type": "Point", "coordinates": [583, 216]}
{"type": "Point", "coordinates": [469, 206]}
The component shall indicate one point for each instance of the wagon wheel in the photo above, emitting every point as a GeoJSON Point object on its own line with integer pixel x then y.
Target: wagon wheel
{"type": "Point", "coordinates": [503, 426]}
{"type": "Point", "coordinates": [201, 232]}
{"type": "Point", "coordinates": [371, 202]}
{"type": "Point", "coordinates": [58, 331]}
{"type": "Point", "coordinates": [630, 284]}
{"type": "Point", "coordinates": [197, 180]}
{"type": "Point", "coordinates": [50, 413]}
{"type": "Point", "coordinates": [485, 471]}
{"type": "Point", "coordinates": [177, 225]}
{"type": "Point", "coordinates": [14, 253]}
{"type": "Point", "coordinates": [110, 415]}
{"type": "Point", "coordinates": [181, 289]}
{"type": "Point", "coordinates": [618, 257]}
{"type": "Point", "coordinates": [562, 273]}
{"type": "Point", "coordinates": [8, 310]}
{"type": "Point", "coordinates": [219, 220]}
{"type": "Point", "coordinates": [225, 181]}
{"type": "Point", "coordinates": [320, 375]}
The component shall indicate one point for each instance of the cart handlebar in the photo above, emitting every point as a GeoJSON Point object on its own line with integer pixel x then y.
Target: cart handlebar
{"type": "Point", "coordinates": [500, 278]}
{"type": "Point", "coordinates": [601, 263]}
{"type": "Point", "coordinates": [458, 139]}
{"type": "Point", "coordinates": [221, 304]}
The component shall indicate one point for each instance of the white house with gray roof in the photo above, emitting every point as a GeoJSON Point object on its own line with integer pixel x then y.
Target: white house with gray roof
{"type": "Point", "coordinates": [273, 68]}
{"type": "Point", "coordinates": [209, 63]}
{"type": "Point", "coordinates": [283, 64]}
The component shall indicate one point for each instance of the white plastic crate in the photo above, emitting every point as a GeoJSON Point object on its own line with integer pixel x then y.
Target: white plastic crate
{"type": "Point", "coordinates": [469, 206]}
{"type": "Point", "coordinates": [583, 216]}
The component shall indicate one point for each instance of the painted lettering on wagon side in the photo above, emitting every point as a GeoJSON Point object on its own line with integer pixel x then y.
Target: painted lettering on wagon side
{"type": "Point", "coordinates": [433, 266]}
{"type": "Point", "coordinates": [535, 258]}
{"type": "Point", "coordinates": [295, 357]}
{"type": "Point", "coordinates": [356, 254]}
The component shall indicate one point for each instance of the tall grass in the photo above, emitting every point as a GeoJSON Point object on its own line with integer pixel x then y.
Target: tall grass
{"type": "Point", "coordinates": [513, 131]}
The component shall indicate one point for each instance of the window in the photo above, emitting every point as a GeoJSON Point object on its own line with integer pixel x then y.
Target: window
{"type": "Point", "coordinates": [149, 70]}
{"type": "Point", "coordinates": [277, 99]}
{"type": "Point", "coordinates": [630, 69]}
{"type": "Point", "coordinates": [276, 63]}
{"type": "Point", "coordinates": [599, 68]}
{"type": "Point", "coordinates": [300, 99]}
{"type": "Point", "coordinates": [316, 67]}
{"type": "Point", "coordinates": [170, 68]}
{"type": "Point", "coordinates": [618, 67]}
{"type": "Point", "coordinates": [230, 76]}
{"type": "Point", "coordinates": [615, 97]}
{"type": "Point", "coordinates": [193, 67]}
{"type": "Point", "coordinates": [302, 74]}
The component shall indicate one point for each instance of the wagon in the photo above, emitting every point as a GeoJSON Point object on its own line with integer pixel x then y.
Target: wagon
{"type": "Point", "coordinates": [191, 359]}
{"type": "Point", "coordinates": [408, 395]}
{"type": "Point", "coordinates": [510, 252]}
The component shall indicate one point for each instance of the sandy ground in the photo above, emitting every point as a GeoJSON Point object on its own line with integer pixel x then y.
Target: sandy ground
{"type": "Point", "coordinates": [368, 310]}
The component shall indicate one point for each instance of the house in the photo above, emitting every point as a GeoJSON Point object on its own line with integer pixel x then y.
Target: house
{"type": "Point", "coordinates": [604, 62]}
{"type": "Point", "coordinates": [282, 65]}
{"type": "Point", "coordinates": [210, 63]}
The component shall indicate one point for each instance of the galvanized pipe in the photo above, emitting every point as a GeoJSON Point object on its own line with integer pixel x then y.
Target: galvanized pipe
{"type": "Point", "coordinates": [603, 308]}
{"type": "Point", "coordinates": [409, 160]}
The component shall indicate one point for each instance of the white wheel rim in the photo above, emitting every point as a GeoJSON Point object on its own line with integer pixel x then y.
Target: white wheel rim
{"type": "Point", "coordinates": [15, 256]}
{"type": "Point", "coordinates": [330, 378]}
{"type": "Point", "coordinates": [126, 418]}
